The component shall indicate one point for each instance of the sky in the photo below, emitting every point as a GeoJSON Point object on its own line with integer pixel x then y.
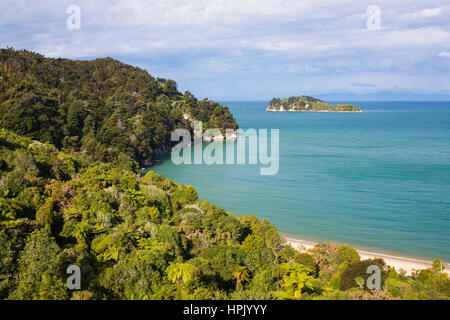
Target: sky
{"type": "Point", "coordinates": [252, 49]}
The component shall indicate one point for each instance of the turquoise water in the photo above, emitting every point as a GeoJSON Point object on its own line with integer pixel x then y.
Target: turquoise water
{"type": "Point", "coordinates": [379, 179]}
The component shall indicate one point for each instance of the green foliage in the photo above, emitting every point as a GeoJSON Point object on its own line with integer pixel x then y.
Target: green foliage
{"type": "Point", "coordinates": [181, 274]}
{"type": "Point", "coordinates": [297, 278]}
{"type": "Point", "coordinates": [81, 200]}
{"type": "Point", "coordinates": [45, 214]}
{"type": "Point", "coordinates": [343, 107]}
{"type": "Point", "coordinates": [217, 265]}
{"type": "Point", "coordinates": [147, 237]}
{"type": "Point", "coordinates": [7, 265]}
{"type": "Point", "coordinates": [346, 254]}
{"type": "Point", "coordinates": [241, 274]}
{"type": "Point", "coordinates": [9, 209]}
{"type": "Point", "coordinates": [107, 108]}
{"type": "Point", "coordinates": [359, 270]}
{"type": "Point", "coordinates": [306, 260]}
{"type": "Point", "coordinates": [438, 265]}
{"type": "Point", "coordinates": [430, 285]}
{"type": "Point", "coordinates": [40, 271]}
{"type": "Point", "coordinates": [253, 244]}
{"type": "Point", "coordinates": [306, 103]}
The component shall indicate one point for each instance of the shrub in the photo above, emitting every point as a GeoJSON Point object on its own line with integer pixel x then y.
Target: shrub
{"type": "Point", "coordinates": [306, 260]}
{"type": "Point", "coordinates": [359, 269]}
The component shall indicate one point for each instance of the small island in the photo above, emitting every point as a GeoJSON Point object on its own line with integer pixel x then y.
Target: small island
{"type": "Point", "coordinates": [308, 104]}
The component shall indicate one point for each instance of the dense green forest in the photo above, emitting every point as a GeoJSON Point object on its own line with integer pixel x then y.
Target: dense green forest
{"type": "Point", "coordinates": [306, 103]}
{"type": "Point", "coordinates": [151, 238]}
{"type": "Point", "coordinates": [106, 108]}
{"type": "Point", "coordinates": [63, 202]}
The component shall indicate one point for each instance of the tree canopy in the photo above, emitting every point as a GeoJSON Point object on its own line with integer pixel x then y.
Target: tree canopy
{"type": "Point", "coordinates": [104, 107]}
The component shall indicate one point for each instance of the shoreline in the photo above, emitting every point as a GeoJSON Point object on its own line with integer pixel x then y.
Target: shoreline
{"type": "Point", "coordinates": [156, 161]}
{"type": "Point", "coordinates": [329, 111]}
{"type": "Point", "coordinates": [398, 262]}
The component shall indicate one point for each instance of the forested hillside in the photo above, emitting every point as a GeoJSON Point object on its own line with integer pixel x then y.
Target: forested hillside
{"type": "Point", "coordinates": [104, 107]}
{"type": "Point", "coordinates": [71, 193]}
{"type": "Point", "coordinates": [151, 238]}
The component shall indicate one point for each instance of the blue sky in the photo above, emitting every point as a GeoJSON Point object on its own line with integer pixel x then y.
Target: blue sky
{"type": "Point", "coordinates": [248, 49]}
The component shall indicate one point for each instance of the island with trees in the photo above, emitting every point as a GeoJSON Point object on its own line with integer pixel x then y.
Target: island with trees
{"type": "Point", "coordinates": [308, 104]}
{"type": "Point", "coordinates": [72, 136]}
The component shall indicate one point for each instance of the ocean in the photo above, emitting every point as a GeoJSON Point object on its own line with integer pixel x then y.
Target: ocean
{"type": "Point", "coordinates": [379, 179]}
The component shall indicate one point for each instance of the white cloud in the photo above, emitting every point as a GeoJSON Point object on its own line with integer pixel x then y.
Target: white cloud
{"type": "Point", "coordinates": [444, 54]}
{"type": "Point", "coordinates": [197, 40]}
{"type": "Point", "coordinates": [424, 14]}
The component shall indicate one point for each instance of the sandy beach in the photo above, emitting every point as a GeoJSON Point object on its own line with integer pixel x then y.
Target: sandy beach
{"type": "Point", "coordinates": [399, 263]}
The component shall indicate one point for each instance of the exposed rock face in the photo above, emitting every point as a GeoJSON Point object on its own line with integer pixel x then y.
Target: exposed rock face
{"type": "Point", "coordinates": [220, 137]}
{"type": "Point", "coordinates": [211, 137]}
{"type": "Point", "coordinates": [232, 136]}
{"type": "Point", "coordinates": [188, 117]}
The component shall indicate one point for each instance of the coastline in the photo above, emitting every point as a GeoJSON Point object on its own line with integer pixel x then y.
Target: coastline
{"type": "Point", "coordinates": [154, 162]}
{"type": "Point", "coordinates": [326, 111]}
{"type": "Point", "coordinates": [398, 262]}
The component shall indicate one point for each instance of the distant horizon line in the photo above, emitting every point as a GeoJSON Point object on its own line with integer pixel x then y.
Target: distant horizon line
{"type": "Point", "coordinates": [351, 100]}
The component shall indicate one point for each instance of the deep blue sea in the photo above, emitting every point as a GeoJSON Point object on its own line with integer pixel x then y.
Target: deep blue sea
{"type": "Point", "coordinates": [379, 179]}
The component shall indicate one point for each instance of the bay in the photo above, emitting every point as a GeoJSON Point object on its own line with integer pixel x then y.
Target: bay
{"type": "Point", "coordinates": [379, 179]}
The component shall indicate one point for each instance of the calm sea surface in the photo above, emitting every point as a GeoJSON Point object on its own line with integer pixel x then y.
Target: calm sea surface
{"type": "Point", "coordinates": [379, 179]}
